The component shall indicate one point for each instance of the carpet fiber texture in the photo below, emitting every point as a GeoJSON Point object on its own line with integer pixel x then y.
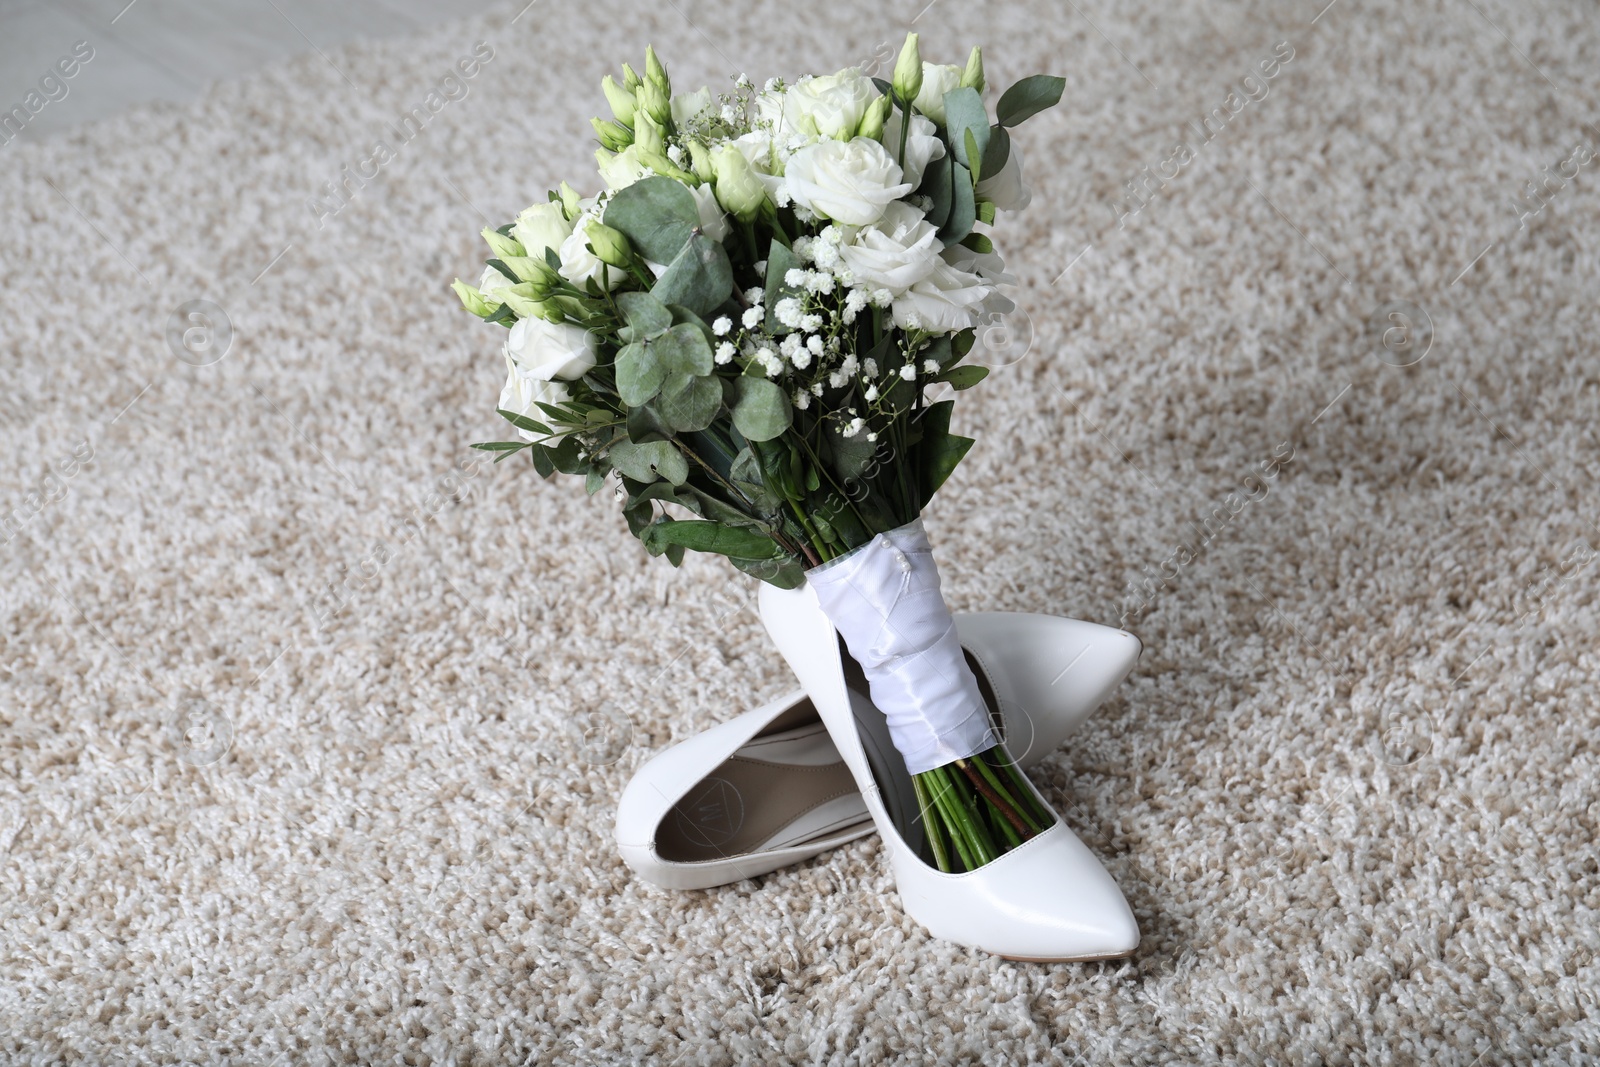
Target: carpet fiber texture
{"type": "Point", "coordinates": [313, 726]}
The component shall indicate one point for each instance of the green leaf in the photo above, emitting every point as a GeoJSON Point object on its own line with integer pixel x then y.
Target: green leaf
{"type": "Point", "coordinates": [978, 243]}
{"type": "Point", "coordinates": [964, 377]}
{"type": "Point", "coordinates": [763, 411]}
{"type": "Point", "coordinates": [699, 276]}
{"type": "Point", "coordinates": [502, 446]}
{"type": "Point", "coordinates": [645, 424]}
{"type": "Point", "coordinates": [780, 260]}
{"type": "Point", "coordinates": [975, 154]}
{"type": "Point", "coordinates": [522, 422]}
{"type": "Point", "coordinates": [640, 374]}
{"type": "Point", "coordinates": [684, 350]}
{"type": "Point", "coordinates": [657, 214]}
{"type": "Point", "coordinates": [541, 462]}
{"type": "Point", "coordinates": [999, 150]}
{"type": "Point", "coordinates": [964, 114]}
{"type": "Point", "coordinates": [648, 316]}
{"type": "Point", "coordinates": [938, 185]}
{"type": "Point", "coordinates": [649, 461]}
{"type": "Point", "coordinates": [703, 535]}
{"type": "Point", "coordinates": [940, 450]}
{"type": "Point", "coordinates": [963, 208]}
{"type": "Point", "coordinates": [986, 213]}
{"type": "Point", "coordinates": [1029, 97]}
{"type": "Point", "coordinates": [594, 481]}
{"type": "Point", "coordinates": [689, 403]}
{"type": "Point", "coordinates": [564, 454]}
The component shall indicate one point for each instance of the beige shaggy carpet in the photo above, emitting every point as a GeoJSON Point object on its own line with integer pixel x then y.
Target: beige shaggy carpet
{"type": "Point", "coordinates": [312, 728]}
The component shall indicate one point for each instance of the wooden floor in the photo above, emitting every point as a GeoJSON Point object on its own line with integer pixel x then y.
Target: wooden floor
{"type": "Point", "coordinates": [170, 49]}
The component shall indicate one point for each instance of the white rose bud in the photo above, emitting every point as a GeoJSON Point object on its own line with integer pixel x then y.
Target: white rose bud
{"type": "Point", "coordinates": [550, 350]}
{"type": "Point", "coordinates": [523, 393]}
{"type": "Point", "coordinates": [540, 227]}
{"type": "Point", "coordinates": [739, 191]}
{"type": "Point", "coordinates": [897, 252]}
{"type": "Point", "coordinates": [937, 79]}
{"type": "Point", "coordinates": [830, 106]}
{"type": "Point", "coordinates": [847, 181]}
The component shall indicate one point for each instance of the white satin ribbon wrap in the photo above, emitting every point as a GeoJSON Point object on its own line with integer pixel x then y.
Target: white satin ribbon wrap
{"type": "Point", "coordinates": [884, 599]}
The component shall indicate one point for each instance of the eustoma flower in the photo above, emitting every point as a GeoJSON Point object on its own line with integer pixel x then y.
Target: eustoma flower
{"type": "Point", "coordinates": [848, 181]}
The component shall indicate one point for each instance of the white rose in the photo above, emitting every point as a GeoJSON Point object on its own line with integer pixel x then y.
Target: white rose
{"type": "Point", "coordinates": [713, 220]}
{"type": "Point", "coordinates": [896, 252]}
{"type": "Point", "coordinates": [847, 181]}
{"type": "Point", "coordinates": [922, 144]}
{"type": "Point", "coordinates": [946, 300]}
{"type": "Point", "coordinates": [578, 264]}
{"type": "Point", "coordinates": [937, 79]}
{"type": "Point", "coordinates": [491, 283]}
{"type": "Point", "coordinates": [522, 394]}
{"type": "Point", "coordinates": [829, 106]}
{"type": "Point", "coordinates": [1006, 189]}
{"type": "Point", "coordinates": [550, 350]}
{"type": "Point", "coordinates": [621, 169]}
{"type": "Point", "coordinates": [540, 227]}
{"type": "Point", "coordinates": [686, 106]}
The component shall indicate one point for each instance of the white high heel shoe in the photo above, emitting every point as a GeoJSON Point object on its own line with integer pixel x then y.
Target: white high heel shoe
{"type": "Point", "coordinates": [1046, 900]}
{"type": "Point", "coordinates": [768, 788]}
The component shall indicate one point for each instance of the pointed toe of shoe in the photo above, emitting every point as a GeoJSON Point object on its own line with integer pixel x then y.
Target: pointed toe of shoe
{"type": "Point", "coordinates": [1048, 901]}
{"type": "Point", "coordinates": [1049, 673]}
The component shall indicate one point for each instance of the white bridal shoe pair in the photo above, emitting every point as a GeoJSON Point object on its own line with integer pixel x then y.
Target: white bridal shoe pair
{"type": "Point", "coordinates": [815, 769]}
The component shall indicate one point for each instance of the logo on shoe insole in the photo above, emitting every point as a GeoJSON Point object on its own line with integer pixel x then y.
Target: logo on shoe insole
{"type": "Point", "coordinates": [712, 815]}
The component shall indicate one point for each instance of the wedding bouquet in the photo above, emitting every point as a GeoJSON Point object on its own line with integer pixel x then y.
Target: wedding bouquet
{"type": "Point", "coordinates": [747, 329]}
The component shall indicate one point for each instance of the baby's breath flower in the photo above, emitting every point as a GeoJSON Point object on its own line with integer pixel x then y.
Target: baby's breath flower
{"type": "Point", "coordinates": [725, 353]}
{"type": "Point", "coordinates": [722, 326]}
{"type": "Point", "coordinates": [869, 367]}
{"type": "Point", "coordinates": [814, 342]}
{"type": "Point", "coordinates": [882, 297]}
{"type": "Point", "coordinates": [908, 372]}
{"type": "Point", "coordinates": [789, 312]}
{"type": "Point", "coordinates": [795, 278]}
{"type": "Point", "coordinates": [871, 394]}
{"type": "Point", "coordinates": [755, 295]}
{"type": "Point", "coordinates": [810, 323]}
{"type": "Point", "coordinates": [802, 400]}
{"type": "Point", "coordinates": [930, 366]}
{"type": "Point", "coordinates": [752, 317]}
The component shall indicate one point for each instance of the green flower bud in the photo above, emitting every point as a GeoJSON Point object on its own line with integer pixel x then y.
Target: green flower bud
{"type": "Point", "coordinates": [620, 99]}
{"type": "Point", "coordinates": [908, 70]}
{"type": "Point", "coordinates": [471, 299]}
{"type": "Point", "coordinates": [609, 244]}
{"type": "Point", "coordinates": [569, 201]}
{"type": "Point", "coordinates": [666, 168]}
{"type": "Point", "coordinates": [738, 189]}
{"type": "Point", "coordinates": [872, 122]}
{"type": "Point", "coordinates": [612, 136]}
{"type": "Point", "coordinates": [972, 77]}
{"type": "Point", "coordinates": [700, 157]}
{"type": "Point", "coordinates": [655, 73]}
{"type": "Point", "coordinates": [529, 269]}
{"type": "Point", "coordinates": [648, 135]}
{"type": "Point", "coordinates": [654, 103]}
{"type": "Point", "coordinates": [500, 244]}
{"type": "Point", "coordinates": [630, 78]}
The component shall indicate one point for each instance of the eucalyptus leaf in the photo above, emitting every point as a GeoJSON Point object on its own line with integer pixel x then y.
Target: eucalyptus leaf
{"type": "Point", "coordinates": [699, 276]}
{"type": "Point", "coordinates": [703, 535]}
{"type": "Point", "coordinates": [565, 455]}
{"type": "Point", "coordinates": [763, 411]}
{"type": "Point", "coordinates": [651, 460]}
{"type": "Point", "coordinates": [657, 214]}
{"type": "Point", "coordinates": [963, 207]}
{"type": "Point", "coordinates": [965, 113]}
{"type": "Point", "coordinates": [648, 316]}
{"type": "Point", "coordinates": [689, 403]}
{"type": "Point", "coordinates": [938, 185]}
{"type": "Point", "coordinates": [683, 349]}
{"type": "Point", "coordinates": [645, 424]}
{"type": "Point", "coordinates": [1029, 97]}
{"type": "Point", "coordinates": [998, 152]}
{"type": "Point", "coordinates": [640, 373]}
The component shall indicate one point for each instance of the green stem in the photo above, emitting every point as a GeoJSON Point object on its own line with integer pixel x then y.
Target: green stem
{"type": "Point", "coordinates": [905, 128]}
{"type": "Point", "coordinates": [1004, 764]}
{"type": "Point", "coordinates": [931, 824]}
{"type": "Point", "coordinates": [1004, 794]}
{"type": "Point", "coordinates": [966, 817]}
{"type": "Point", "coordinates": [940, 791]}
